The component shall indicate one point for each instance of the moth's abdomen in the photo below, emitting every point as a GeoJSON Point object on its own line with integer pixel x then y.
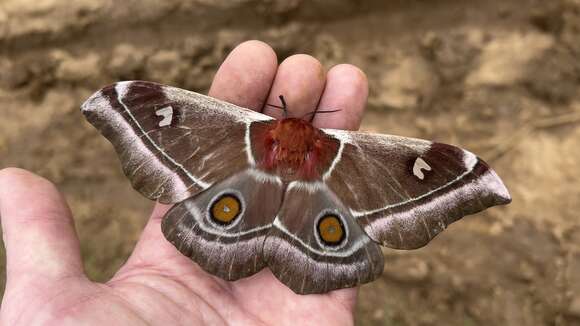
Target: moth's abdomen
{"type": "Point", "coordinates": [293, 149]}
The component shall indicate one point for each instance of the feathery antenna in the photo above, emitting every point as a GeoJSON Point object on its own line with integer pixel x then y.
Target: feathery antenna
{"type": "Point", "coordinates": [284, 108]}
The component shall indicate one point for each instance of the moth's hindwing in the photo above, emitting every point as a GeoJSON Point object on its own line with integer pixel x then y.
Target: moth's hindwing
{"type": "Point", "coordinates": [315, 245]}
{"type": "Point", "coordinates": [405, 191]}
{"type": "Point", "coordinates": [223, 228]}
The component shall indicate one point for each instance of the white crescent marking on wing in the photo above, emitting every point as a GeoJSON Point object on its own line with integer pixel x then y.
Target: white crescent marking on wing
{"type": "Point", "coordinates": [420, 165]}
{"type": "Point", "coordinates": [167, 114]}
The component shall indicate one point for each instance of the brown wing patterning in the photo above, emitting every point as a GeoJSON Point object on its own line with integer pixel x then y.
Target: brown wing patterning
{"type": "Point", "coordinates": [405, 191]}
{"type": "Point", "coordinates": [318, 247]}
{"type": "Point", "coordinates": [172, 143]}
{"type": "Point", "coordinates": [223, 228]}
{"type": "Point", "coordinates": [311, 204]}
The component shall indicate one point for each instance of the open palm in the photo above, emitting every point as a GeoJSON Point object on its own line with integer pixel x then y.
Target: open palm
{"type": "Point", "coordinates": [46, 283]}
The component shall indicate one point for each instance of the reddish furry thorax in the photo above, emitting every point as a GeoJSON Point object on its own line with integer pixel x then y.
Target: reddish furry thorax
{"type": "Point", "coordinates": [293, 145]}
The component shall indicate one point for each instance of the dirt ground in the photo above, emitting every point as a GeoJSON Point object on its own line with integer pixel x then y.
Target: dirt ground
{"type": "Point", "coordinates": [500, 78]}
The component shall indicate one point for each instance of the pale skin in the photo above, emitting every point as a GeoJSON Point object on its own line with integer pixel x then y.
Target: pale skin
{"type": "Point", "coordinates": [46, 283]}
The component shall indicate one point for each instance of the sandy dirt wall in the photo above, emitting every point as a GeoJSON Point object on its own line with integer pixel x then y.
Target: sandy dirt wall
{"type": "Point", "coordinates": [501, 78]}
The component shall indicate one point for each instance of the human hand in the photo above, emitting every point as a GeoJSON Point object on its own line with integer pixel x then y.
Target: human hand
{"type": "Point", "coordinates": [46, 283]}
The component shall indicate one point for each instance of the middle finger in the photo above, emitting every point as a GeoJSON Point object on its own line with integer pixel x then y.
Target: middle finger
{"type": "Point", "coordinates": [300, 79]}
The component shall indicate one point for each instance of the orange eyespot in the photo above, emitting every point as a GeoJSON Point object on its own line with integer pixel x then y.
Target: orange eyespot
{"type": "Point", "coordinates": [331, 230]}
{"type": "Point", "coordinates": [225, 209]}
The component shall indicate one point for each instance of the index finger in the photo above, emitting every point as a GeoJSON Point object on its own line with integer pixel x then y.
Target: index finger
{"type": "Point", "coordinates": [246, 75]}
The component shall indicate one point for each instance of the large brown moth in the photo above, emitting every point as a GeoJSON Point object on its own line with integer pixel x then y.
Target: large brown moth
{"type": "Point", "coordinates": [311, 204]}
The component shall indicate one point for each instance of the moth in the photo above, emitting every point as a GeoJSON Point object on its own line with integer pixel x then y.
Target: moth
{"type": "Point", "coordinates": [312, 205]}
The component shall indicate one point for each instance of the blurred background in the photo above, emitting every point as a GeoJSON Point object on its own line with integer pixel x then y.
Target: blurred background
{"type": "Point", "coordinates": [500, 78]}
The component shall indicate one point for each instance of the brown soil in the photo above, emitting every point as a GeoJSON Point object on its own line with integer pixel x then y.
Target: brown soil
{"type": "Point", "coordinates": [501, 78]}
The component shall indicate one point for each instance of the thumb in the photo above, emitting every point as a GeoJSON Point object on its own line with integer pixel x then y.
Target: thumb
{"type": "Point", "coordinates": [38, 230]}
